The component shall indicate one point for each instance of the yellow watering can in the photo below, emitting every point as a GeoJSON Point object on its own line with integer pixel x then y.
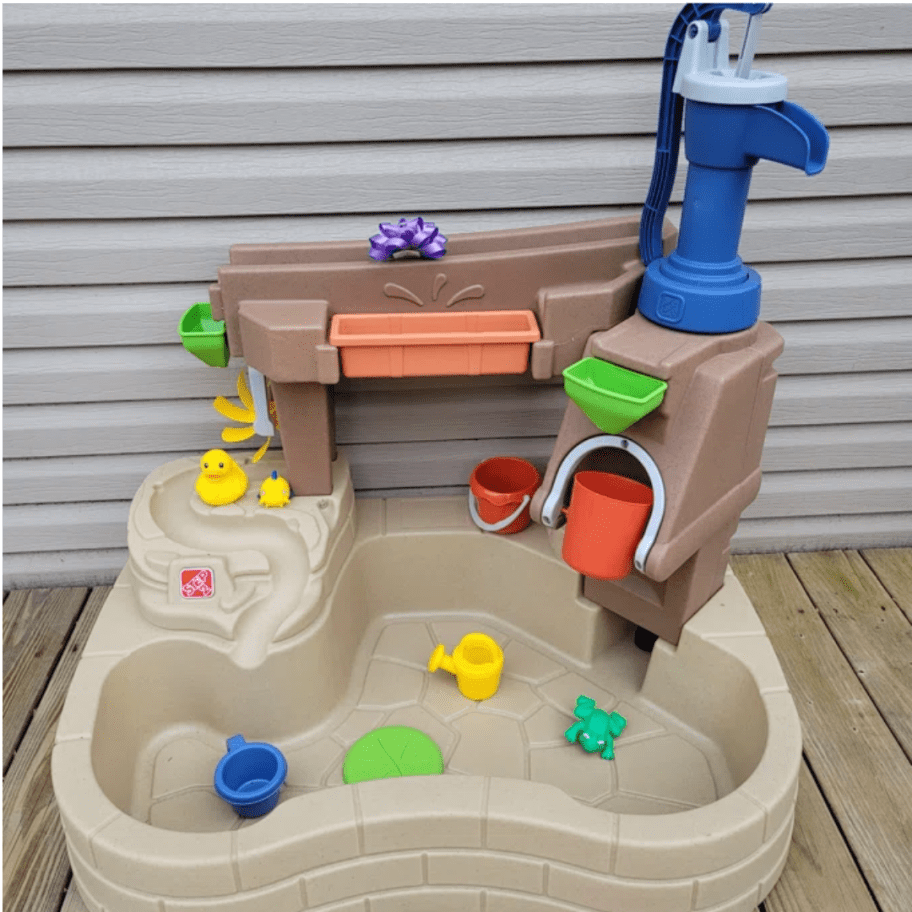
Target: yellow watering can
{"type": "Point", "coordinates": [477, 663]}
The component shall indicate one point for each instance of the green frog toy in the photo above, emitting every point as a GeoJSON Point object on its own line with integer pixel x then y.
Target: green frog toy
{"type": "Point", "coordinates": [596, 729]}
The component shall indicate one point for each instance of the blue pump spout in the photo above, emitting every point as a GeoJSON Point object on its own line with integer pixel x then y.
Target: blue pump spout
{"type": "Point", "coordinates": [788, 134]}
{"type": "Point", "coordinates": [737, 136]}
{"type": "Point", "coordinates": [703, 286]}
{"type": "Point", "coordinates": [722, 146]}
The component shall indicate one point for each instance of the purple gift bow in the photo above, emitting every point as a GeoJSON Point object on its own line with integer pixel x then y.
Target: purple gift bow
{"type": "Point", "coordinates": [414, 234]}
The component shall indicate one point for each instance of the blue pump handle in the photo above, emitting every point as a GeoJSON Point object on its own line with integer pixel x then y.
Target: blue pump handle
{"type": "Point", "coordinates": [671, 108]}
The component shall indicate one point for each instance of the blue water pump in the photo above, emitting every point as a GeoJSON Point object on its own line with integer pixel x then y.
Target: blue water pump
{"type": "Point", "coordinates": [732, 118]}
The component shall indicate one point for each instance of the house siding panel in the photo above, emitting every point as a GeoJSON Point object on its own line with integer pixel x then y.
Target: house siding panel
{"type": "Point", "coordinates": [142, 141]}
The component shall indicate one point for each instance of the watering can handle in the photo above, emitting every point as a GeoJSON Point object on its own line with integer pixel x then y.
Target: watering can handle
{"type": "Point", "coordinates": [503, 523]}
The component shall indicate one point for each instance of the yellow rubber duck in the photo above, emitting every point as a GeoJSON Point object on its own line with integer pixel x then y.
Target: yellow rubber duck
{"type": "Point", "coordinates": [274, 491]}
{"type": "Point", "coordinates": [221, 481]}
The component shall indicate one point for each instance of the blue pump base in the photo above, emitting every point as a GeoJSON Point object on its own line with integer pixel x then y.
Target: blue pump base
{"type": "Point", "coordinates": [727, 301]}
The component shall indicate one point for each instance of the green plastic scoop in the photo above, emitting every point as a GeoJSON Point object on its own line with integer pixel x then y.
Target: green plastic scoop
{"type": "Point", "coordinates": [204, 337]}
{"type": "Point", "coordinates": [612, 397]}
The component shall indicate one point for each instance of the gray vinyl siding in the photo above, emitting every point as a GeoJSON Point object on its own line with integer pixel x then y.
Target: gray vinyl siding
{"type": "Point", "coordinates": [142, 141]}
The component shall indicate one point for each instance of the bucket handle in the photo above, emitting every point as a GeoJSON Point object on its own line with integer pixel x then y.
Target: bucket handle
{"type": "Point", "coordinates": [551, 509]}
{"type": "Point", "coordinates": [501, 524]}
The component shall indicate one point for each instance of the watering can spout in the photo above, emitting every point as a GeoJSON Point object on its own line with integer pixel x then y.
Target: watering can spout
{"type": "Point", "coordinates": [439, 659]}
{"type": "Point", "coordinates": [788, 134]}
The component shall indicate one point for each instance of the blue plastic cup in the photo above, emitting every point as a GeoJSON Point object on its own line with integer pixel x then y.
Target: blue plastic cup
{"type": "Point", "coordinates": [250, 775]}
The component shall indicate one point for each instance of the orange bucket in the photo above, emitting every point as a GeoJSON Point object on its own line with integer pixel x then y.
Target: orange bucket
{"type": "Point", "coordinates": [605, 521]}
{"type": "Point", "coordinates": [503, 487]}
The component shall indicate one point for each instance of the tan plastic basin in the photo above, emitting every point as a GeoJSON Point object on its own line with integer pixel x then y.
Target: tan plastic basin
{"type": "Point", "coordinates": [694, 812]}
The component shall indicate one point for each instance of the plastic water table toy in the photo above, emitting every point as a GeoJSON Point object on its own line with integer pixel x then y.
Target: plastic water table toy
{"type": "Point", "coordinates": [221, 480]}
{"type": "Point", "coordinates": [596, 729]}
{"type": "Point", "coordinates": [250, 775]}
{"type": "Point", "coordinates": [394, 750]}
{"type": "Point", "coordinates": [309, 627]}
{"type": "Point", "coordinates": [477, 663]}
{"type": "Point", "coordinates": [274, 491]}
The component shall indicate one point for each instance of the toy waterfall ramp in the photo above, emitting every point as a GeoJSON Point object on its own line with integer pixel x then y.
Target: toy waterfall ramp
{"type": "Point", "coordinates": [694, 812]}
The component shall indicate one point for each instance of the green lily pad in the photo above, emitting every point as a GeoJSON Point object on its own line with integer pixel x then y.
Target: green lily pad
{"type": "Point", "coordinates": [395, 750]}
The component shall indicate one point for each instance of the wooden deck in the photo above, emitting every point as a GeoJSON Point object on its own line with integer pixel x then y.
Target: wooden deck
{"type": "Point", "coordinates": [841, 623]}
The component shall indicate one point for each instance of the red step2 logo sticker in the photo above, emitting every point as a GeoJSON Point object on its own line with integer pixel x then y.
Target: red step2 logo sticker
{"type": "Point", "coordinates": [196, 582]}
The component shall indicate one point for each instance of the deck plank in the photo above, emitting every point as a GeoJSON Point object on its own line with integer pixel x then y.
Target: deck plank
{"type": "Point", "coordinates": [862, 771]}
{"type": "Point", "coordinates": [35, 864]}
{"type": "Point", "coordinates": [874, 635]}
{"type": "Point", "coordinates": [72, 901]}
{"type": "Point", "coordinates": [36, 623]}
{"type": "Point", "coordinates": [893, 567]}
{"type": "Point", "coordinates": [820, 873]}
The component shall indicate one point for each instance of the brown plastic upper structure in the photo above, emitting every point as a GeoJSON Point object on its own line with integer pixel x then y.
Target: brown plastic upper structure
{"type": "Point", "coordinates": [580, 280]}
{"type": "Point", "coordinates": [277, 301]}
{"type": "Point", "coordinates": [706, 438]}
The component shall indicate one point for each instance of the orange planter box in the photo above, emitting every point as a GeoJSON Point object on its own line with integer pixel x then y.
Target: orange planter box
{"type": "Point", "coordinates": [434, 344]}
